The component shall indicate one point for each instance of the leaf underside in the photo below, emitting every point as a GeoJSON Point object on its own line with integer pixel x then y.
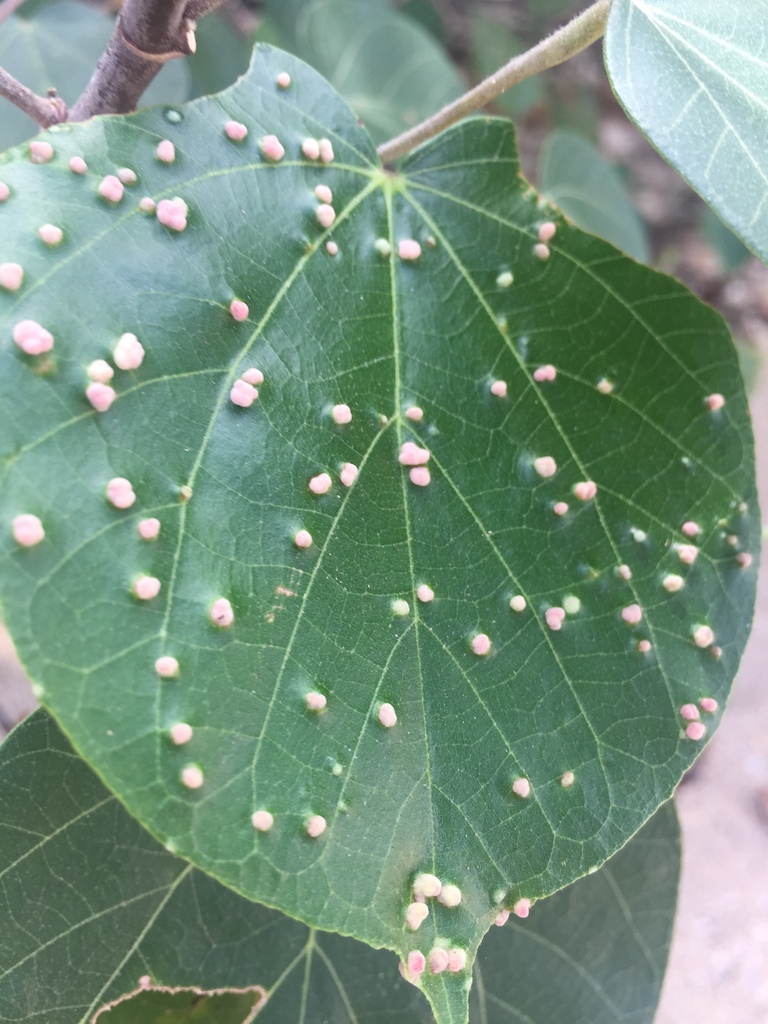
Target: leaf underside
{"type": "Point", "coordinates": [95, 910]}
{"type": "Point", "coordinates": [693, 75]}
{"type": "Point", "coordinates": [636, 357]}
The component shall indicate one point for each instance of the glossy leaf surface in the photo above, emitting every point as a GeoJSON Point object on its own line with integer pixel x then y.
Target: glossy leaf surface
{"type": "Point", "coordinates": [693, 75]}
{"type": "Point", "coordinates": [94, 910]}
{"type": "Point", "coordinates": [588, 189]}
{"type": "Point", "coordinates": [628, 409]}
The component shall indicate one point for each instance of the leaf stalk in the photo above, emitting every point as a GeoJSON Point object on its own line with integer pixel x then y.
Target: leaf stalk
{"type": "Point", "coordinates": [566, 42]}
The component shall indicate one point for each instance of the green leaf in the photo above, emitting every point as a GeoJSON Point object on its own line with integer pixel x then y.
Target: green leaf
{"type": "Point", "coordinates": [492, 45]}
{"type": "Point", "coordinates": [636, 356]}
{"type": "Point", "coordinates": [83, 884]}
{"type": "Point", "coordinates": [575, 176]}
{"type": "Point", "coordinates": [693, 75]}
{"type": "Point", "coordinates": [58, 47]}
{"type": "Point", "coordinates": [388, 68]}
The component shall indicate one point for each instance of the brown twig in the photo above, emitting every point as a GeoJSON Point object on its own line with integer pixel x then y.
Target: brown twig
{"type": "Point", "coordinates": [148, 34]}
{"type": "Point", "coordinates": [566, 42]}
{"type": "Point", "coordinates": [44, 110]}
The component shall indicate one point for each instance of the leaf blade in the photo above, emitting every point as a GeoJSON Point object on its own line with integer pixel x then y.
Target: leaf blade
{"type": "Point", "coordinates": [692, 71]}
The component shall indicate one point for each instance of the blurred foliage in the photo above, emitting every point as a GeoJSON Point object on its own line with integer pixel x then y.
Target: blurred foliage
{"type": "Point", "coordinates": [574, 175]}
{"type": "Point", "coordinates": [185, 1007]}
{"type": "Point", "coordinates": [426, 14]}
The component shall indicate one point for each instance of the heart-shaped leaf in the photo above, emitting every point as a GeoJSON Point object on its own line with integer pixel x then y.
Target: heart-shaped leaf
{"type": "Point", "coordinates": [95, 911]}
{"type": "Point", "coordinates": [693, 75]}
{"type": "Point", "coordinates": [472, 668]}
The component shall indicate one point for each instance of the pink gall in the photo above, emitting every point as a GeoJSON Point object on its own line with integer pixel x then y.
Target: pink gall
{"type": "Point", "coordinates": [101, 396]}
{"type": "Point", "coordinates": [272, 148]}
{"type": "Point", "coordinates": [166, 152]}
{"type": "Point", "coordinates": [27, 530]}
{"type": "Point", "coordinates": [40, 152]}
{"type": "Point", "coordinates": [32, 338]}
{"type": "Point", "coordinates": [221, 613]}
{"type": "Point", "coordinates": [262, 821]}
{"type": "Point", "coordinates": [408, 249]}
{"type": "Point", "coordinates": [11, 276]}
{"type": "Point", "coordinates": [148, 529]}
{"type": "Point", "coordinates": [315, 826]}
{"type": "Point", "coordinates": [243, 394]}
{"type": "Point", "coordinates": [235, 130]}
{"type": "Point", "coordinates": [128, 353]}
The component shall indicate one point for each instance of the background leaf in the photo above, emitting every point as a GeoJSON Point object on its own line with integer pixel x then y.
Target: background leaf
{"type": "Point", "coordinates": [58, 46]}
{"type": "Point", "coordinates": [91, 904]}
{"type": "Point", "coordinates": [575, 176]}
{"type": "Point", "coordinates": [387, 67]}
{"type": "Point", "coordinates": [636, 359]}
{"type": "Point", "coordinates": [693, 75]}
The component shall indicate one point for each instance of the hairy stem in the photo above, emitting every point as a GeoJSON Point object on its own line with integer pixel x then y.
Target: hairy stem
{"type": "Point", "coordinates": [147, 35]}
{"type": "Point", "coordinates": [44, 110]}
{"type": "Point", "coordinates": [569, 40]}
